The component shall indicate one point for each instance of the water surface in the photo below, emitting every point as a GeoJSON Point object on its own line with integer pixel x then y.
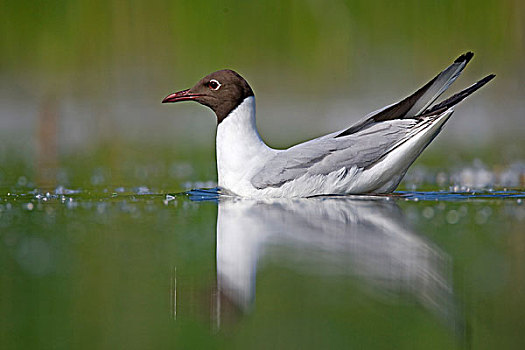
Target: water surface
{"type": "Point", "coordinates": [136, 269]}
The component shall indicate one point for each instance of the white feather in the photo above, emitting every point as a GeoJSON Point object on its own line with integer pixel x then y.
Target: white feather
{"type": "Point", "coordinates": [241, 155]}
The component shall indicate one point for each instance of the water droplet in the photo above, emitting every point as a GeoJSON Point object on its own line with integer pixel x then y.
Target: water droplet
{"type": "Point", "coordinates": [428, 213]}
{"type": "Point", "coordinates": [452, 217]}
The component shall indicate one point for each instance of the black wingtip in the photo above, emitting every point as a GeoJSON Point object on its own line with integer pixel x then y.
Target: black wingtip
{"type": "Point", "coordinates": [484, 80]}
{"type": "Point", "coordinates": [460, 96]}
{"type": "Point", "coordinates": [466, 57]}
{"type": "Point", "coordinates": [490, 77]}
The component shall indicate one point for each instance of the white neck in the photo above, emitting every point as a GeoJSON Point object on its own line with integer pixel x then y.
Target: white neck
{"type": "Point", "coordinates": [240, 149]}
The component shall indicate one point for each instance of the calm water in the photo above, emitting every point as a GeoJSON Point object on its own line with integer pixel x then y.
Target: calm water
{"type": "Point", "coordinates": [128, 268]}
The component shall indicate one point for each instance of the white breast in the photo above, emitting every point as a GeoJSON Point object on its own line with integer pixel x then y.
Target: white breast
{"type": "Point", "coordinates": [240, 151]}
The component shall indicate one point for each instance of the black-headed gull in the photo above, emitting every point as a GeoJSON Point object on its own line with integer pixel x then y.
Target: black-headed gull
{"type": "Point", "coordinates": [371, 156]}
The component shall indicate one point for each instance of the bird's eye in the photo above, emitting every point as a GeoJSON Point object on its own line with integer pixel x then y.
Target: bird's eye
{"type": "Point", "coordinates": [214, 84]}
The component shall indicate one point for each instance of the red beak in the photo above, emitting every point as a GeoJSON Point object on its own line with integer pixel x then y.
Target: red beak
{"type": "Point", "coordinates": [183, 95]}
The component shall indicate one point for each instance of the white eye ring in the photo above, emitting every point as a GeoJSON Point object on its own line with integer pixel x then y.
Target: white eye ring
{"type": "Point", "coordinates": [215, 82]}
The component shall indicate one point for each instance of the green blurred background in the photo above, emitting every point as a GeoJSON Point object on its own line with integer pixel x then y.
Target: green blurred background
{"type": "Point", "coordinates": [82, 81]}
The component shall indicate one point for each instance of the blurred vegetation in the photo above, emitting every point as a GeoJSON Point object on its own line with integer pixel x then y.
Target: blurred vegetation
{"type": "Point", "coordinates": [76, 65]}
{"type": "Point", "coordinates": [332, 41]}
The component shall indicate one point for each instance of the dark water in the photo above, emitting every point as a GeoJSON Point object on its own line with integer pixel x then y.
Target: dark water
{"type": "Point", "coordinates": [135, 269]}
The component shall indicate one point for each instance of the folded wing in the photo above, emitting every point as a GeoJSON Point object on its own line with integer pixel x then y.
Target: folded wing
{"type": "Point", "coordinates": [369, 140]}
{"type": "Point", "coordinates": [327, 154]}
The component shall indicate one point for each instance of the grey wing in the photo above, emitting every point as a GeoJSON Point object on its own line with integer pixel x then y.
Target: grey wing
{"type": "Point", "coordinates": [325, 155]}
{"type": "Point", "coordinates": [291, 163]}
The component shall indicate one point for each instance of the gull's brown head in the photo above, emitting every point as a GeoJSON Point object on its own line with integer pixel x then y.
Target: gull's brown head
{"type": "Point", "coordinates": [222, 91]}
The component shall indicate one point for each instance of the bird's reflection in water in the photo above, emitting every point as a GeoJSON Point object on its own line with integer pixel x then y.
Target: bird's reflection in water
{"type": "Point", "coordinates": [365, 238]}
